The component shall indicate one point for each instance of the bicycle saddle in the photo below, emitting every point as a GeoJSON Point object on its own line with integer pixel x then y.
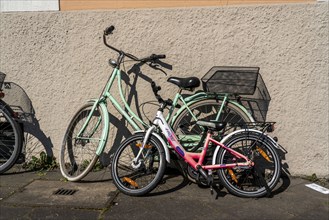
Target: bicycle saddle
{"type": "Point", "coordinates": [185, 83]}
{"type": "Point", "coordinates": [217, 126]}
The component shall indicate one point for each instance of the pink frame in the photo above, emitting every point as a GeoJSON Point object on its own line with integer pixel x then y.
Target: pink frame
{"type": "Point", "coordinates": [195, 159]}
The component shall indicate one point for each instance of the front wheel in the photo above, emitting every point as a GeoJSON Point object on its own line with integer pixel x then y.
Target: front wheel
{"type": "Point", "coordinates": [78, 152]}
{"type": "Point", "coordinates": [140, 177]}
{"type": "Point", "coordinates": [250, 181]}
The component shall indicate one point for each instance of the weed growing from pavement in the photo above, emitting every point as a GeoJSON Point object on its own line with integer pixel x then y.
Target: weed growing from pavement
{"type": "Point", "coordinates": [41, 163]}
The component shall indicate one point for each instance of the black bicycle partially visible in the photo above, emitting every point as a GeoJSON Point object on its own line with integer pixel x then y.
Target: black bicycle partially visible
{"type": "Point", "coordinates": [11, 136]}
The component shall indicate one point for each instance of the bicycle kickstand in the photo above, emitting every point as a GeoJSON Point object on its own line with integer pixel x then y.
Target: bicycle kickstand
{"type": "Point", "coordinates": [262, 181]}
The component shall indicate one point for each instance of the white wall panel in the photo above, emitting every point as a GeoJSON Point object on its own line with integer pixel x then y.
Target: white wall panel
{"type": "Point", "coordinates": [29, 5]}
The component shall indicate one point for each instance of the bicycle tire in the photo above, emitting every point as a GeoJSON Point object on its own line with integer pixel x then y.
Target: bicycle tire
{"type": "Point", "coordinates": [134, 181]}
{"type": "Point", "coordinates": [185, 126]}
{"type": "Point", "coordinates": [11, 138]}
{"type": "Point", "coordinates": [243, 181]}
{"type": "Point", "coordinates": [78, 155]}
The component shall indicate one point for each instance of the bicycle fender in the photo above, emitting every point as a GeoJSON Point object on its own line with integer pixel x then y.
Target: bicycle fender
{"type": "Point", "coordinates": [103, 108]}
{"type": "Point", "coordinates": [240, 131]}
{"type": "Point", "coordinates": [202, 96]}
{"type": "Point", "coordinates": [197, 95]}
{"type": "Point", "coordinates": [92, 100]}
{"type": "Point", "coordinates": [164, 145]}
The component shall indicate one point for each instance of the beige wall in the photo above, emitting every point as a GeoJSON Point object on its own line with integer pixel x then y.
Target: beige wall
{"type": "Point", "coordinates": [60, 61]}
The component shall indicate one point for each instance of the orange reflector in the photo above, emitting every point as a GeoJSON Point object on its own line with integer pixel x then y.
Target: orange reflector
{"type": "Point", "coordinates": [146, 146]}
{"type": "Point", "coordinates": [263, 153]}
{"type": "Point", "coordinates": [130, 181]}
{"type": "Point", "coordinates": [230, 171]}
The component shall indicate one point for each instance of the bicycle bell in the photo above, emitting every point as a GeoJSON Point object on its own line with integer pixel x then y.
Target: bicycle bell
{"type": "Point", "coordinates": [113, 63]}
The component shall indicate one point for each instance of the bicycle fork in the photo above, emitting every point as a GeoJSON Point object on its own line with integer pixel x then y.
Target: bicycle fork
{"type": "Point", "coordinates": [136, 161]}
{"type": "Point", "coordinates": [104, 136]}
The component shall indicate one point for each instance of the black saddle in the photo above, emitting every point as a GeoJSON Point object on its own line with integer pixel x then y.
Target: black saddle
{"type": "Point", "coordinates": [216, 126]}
{"type": "Point", "coordinates": [185, 83]}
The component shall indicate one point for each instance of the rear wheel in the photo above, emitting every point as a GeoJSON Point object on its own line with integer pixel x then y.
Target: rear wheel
{"type": "Point", "coordinates": [140, 178]}
{"type": "Point", "coordinates": [10, 139]}
{"type": "Point", "coordinates": [78, 153]}
{"type": "Point", "coordinates": [250, 181]}
{"type": "Point", "coordinates": [190, 134]}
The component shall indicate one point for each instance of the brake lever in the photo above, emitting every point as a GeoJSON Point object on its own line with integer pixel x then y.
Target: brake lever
{"type": "Point", "coordinates": [156, 67]}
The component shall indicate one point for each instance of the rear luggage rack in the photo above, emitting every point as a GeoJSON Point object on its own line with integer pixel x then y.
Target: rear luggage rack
{"type": "Point", "coordinates": [245, 83]}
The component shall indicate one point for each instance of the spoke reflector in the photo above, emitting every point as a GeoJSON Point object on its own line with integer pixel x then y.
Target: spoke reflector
{"type": "Point", "coordinates": [147, 146]}
{"type": "Point", "coordinates": [263, 154]}
{"type": "Point", "coordinates": [130, 181]}
{"type": "Point", "coordinates": [230, 171]}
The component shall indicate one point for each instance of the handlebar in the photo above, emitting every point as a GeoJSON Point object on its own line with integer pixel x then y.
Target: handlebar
{"type": "Point", "coordinates": [150, 59]}
{"type": "Point", "coordinates": [109, 30]}
{"type": "Point", "coordinates": [153, 58]}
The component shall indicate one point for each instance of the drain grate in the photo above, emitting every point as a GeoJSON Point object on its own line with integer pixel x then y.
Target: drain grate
{"type": "Point", "coordinates": [65, 192]}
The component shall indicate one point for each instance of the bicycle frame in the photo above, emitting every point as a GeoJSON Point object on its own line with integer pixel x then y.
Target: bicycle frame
{"type": "Point", "coordinates": [102, 102]}
{"type": "Point", "coordinates": [106, 94]}
{"type": "Point", "coordinates": [129, 114]}
{"type": "Point", "coordinates": [193, 159]}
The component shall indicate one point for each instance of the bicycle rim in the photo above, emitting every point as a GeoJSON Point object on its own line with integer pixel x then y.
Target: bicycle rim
{"type": "Point", "coordinates": [78, 153]}
{"type": "Point", "coordinates": [138, 179]}
{"type": "Point", "coordinates": [249, 181]}
{"type": "Point", "coordinates": [10, 140]}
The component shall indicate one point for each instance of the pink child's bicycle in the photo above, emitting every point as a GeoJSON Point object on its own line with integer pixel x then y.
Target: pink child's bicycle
{"type": "Point", "coordinates": [246, 161]}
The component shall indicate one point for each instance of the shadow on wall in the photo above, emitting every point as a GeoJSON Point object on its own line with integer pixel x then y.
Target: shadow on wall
{"type": "Point", "coordinates": [35, 140]}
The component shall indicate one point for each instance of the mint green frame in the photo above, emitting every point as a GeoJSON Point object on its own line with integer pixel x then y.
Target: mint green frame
{"type": "Point", "coordinates": [130, 116]}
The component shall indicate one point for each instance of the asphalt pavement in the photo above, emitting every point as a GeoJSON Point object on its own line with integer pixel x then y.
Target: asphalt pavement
{"type": "Point", "coordinates": [46, 195]}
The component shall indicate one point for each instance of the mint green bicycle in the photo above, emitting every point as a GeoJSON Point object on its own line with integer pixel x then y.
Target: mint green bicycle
{"type": "Point", "coordinates": [87, 134]}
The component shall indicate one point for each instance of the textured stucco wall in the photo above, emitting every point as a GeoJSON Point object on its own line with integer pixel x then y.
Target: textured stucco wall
{"type": "Point", "coordinates": [60, 61]}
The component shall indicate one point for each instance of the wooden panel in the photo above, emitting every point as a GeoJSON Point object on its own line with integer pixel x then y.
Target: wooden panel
{"type": "Point", "coordinates": [115, 4]}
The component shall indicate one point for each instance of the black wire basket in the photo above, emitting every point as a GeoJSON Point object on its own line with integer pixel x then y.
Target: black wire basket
{"type": "Point", "coordinates": [231, 80]}
{"type": "Point", "coordinates": [244, 83]}
{"type": "Point", "coordinates": [258, 103]}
